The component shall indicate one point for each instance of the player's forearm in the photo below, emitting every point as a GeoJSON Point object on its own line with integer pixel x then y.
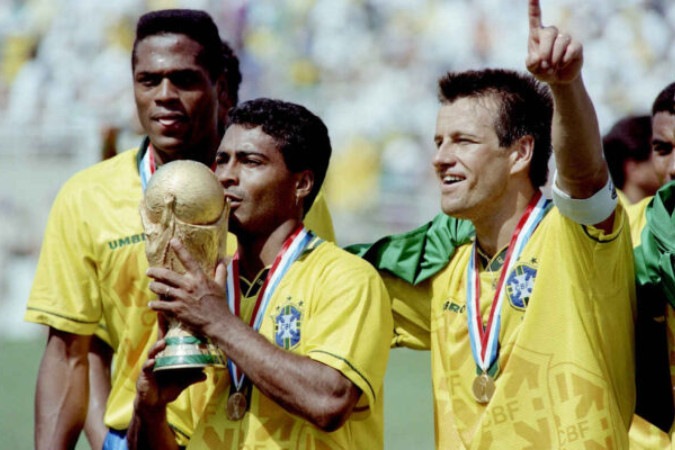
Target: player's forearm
{"type": "Point", "coordinates": [307, 388]}
{"type": "Point", "coordinates": [100, 357]}
{"type": "Point", "coordinates": [149, 429]}
{"type": "Point", "coordinates": [576, 141]}
{"type": "Point", "coordinates": [62, 392]}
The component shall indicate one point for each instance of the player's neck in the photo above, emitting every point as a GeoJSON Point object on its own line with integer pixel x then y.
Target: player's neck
{"type": "Point", "coordinates": [195, 154]}
{"type": "Point", "coordinates": [259, 251]}
{"type": "Point", "coordinates": [634, 193]}
{"type": "Point", "coordinates": [494, 231]}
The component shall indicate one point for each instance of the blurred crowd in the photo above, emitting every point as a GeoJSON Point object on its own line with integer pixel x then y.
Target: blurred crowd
{"type": "Point", "coordinates": [367, 67]}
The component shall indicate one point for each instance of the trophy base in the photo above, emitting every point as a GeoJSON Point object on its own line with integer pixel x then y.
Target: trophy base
{"type": "Point", "coordinates": [188, 352]}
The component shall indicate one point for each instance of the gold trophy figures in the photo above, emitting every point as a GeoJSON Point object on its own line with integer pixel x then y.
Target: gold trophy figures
{"type": "Point", "coordinates": [184, 199]}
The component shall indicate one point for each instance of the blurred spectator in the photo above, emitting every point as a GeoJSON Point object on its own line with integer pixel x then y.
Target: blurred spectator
{"type": "Point", "coordinates": [367, 67]}
{"type": "Point", "coordinates": [629, 157]}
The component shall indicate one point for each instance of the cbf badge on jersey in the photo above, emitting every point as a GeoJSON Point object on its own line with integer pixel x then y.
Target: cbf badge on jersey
{"type": "Point", "coordinates": [287, 325]}
{"type": "Point", "coordinates": [519, 285]}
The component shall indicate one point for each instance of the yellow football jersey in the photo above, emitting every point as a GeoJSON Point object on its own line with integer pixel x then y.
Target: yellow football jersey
{"type": "Point", "coordinates": [341, 317]}
{"type": "Point", "coordinates": [91, 279]}
{"type": "Point", "coordinates": [564, 377]}
{"type": "Point", "coordinates": [637, 219]}
{"type": "Point", "coordinates": [319, 220]}
{"type": "Point", "coordinates": [643, 434]}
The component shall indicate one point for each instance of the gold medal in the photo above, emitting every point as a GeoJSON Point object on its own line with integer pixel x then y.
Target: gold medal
{"type": "Point", "coordinates": [483, 388]}
{"type": "Point", "coordinates": [236, 406]}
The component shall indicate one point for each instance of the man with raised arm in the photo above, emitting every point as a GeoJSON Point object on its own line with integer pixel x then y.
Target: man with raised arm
{"type": "Point", "coordinates": [530, 322]}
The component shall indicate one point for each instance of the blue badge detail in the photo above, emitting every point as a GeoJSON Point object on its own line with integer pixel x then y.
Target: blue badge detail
{"type": "Point", "coordinates": [287, 327]}
{"type": "Point", "coordinates": [519, 285]}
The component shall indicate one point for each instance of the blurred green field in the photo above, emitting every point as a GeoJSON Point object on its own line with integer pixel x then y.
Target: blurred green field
{"type": "Point", "coordinates": [408, 404]}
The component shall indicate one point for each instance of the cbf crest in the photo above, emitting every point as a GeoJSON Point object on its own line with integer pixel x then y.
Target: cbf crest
{"type": "Point", "coordinates": [287, 325]}
{"type": "Point", "coordinates": [519, 285]}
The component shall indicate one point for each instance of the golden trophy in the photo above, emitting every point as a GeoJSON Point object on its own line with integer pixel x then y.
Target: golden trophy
{"type": "Point", "coordinates": [184, 200]}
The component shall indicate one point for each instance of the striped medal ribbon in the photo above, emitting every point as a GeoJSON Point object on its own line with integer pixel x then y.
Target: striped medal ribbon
{"type": "Point", "coordinates": [291, 250]}
{"type": "Point", "coordinates": [147, 166]}
{"type": "Point", "coordinates": [485, 340]}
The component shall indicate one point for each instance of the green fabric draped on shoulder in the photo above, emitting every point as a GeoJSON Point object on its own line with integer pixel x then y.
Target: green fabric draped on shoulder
{"type": "Point", "coordinates": [655, 256]}
{"type": "Point", "coordinates": [418, 254]}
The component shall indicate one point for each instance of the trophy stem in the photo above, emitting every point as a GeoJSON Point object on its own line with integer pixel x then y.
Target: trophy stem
{"type": "Point", "coordinates": [184, 350]}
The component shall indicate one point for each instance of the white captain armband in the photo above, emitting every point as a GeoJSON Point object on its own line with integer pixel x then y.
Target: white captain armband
{"type": "Point", "coordinates": [586, 211]}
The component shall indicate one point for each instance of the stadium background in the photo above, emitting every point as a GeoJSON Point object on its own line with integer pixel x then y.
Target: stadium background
{"type": "Point", "coordinates": [367, 67]}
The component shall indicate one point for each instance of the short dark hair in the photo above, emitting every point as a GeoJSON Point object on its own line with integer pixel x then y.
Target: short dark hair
{"type": "Point", "coordinates": [232, 73]}
{"type": "Point", "coordinates": [628, 139]}
{"type": "Point", "coordinates": [195, 24]}
{"type": "Point", "coordinates": [665, 101]}
{"type": "Point", "coordinates": [525, 108]}
{"type": "Point", "coordinates": [302, 137]}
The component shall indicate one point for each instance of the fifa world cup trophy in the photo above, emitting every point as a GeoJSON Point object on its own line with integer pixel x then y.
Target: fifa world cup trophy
{"type": "Point", "coordinates": [185, 200]}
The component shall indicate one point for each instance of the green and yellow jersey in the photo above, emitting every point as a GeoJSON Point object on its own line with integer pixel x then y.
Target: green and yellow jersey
{"type": "Point", "coordinates": [91, 280]}
{"type": "Point", "coordinates": [651, 225]}
{"type": "Point", "coordinates": [341, 317]}
{"type": "Point", "coordinates": [564, 376]}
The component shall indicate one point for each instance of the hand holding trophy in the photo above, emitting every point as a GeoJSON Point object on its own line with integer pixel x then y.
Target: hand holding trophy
{"type": "Point", "coordinates": [185, 200]}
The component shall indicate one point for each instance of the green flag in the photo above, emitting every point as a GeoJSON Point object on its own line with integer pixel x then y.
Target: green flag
{"type": "Point", "coordinates": [416, 255]}
{"type": "Point", "coordinates": [655, 255]}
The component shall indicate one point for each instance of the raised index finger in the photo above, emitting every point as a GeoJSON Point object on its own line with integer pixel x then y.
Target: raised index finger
{"type": "Point", "coordinates": [534, 14]}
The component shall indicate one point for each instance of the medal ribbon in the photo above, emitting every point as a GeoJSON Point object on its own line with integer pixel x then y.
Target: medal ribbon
{"type": "Point", "coordinates": [291, 250]}
{"type": "Point", "coordinates": [147, 166]}
{"type": "Point", "coordinates": [484, 340]}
